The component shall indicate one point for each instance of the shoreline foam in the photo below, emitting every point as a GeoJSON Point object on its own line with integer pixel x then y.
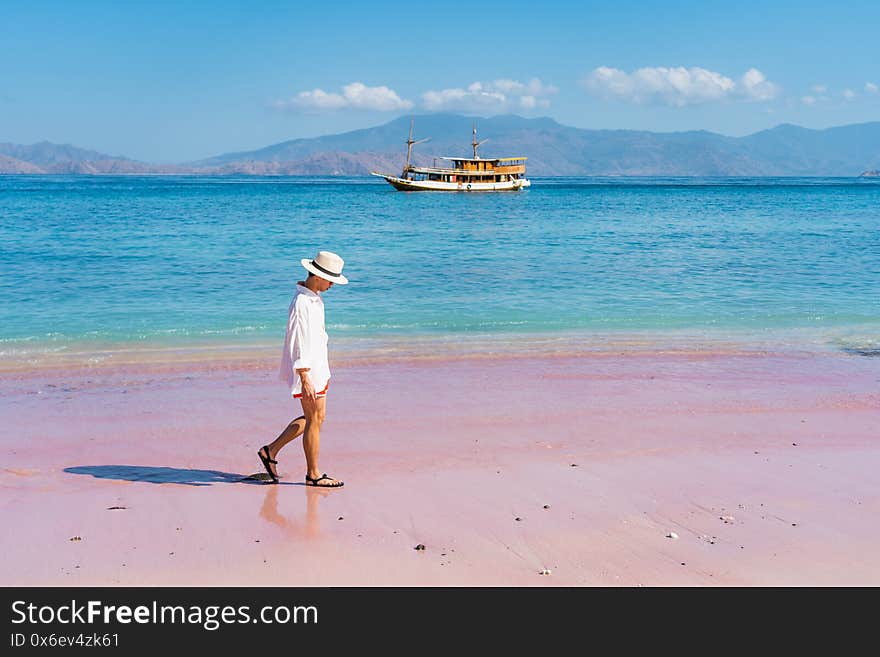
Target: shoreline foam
{"type": "Point", "coordinates": [863, 340]}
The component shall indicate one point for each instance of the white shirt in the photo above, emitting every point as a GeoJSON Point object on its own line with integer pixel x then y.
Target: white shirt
{"type": "Point", "coordinates": [305, 343]}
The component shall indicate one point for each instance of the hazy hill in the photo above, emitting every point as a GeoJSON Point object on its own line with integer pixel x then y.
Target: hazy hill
{"type": "Point", "coordinates": [13, 165]}
{"type": "Point", "coordinates": [46, 157]}
{"type": "Point", "coordinates": [553, 150]}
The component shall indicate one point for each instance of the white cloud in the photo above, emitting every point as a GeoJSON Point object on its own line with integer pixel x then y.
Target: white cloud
{"type": "Point", "coordinates": [849, 94]}
{"type": "Point", "coordinates": [817, 94]}
{"type": "Point", "coordinates": [498, 95]}
{"type": "Point", "coordinates": [374, 98]}
{"type": "Point", "coordinates": [474, 97]}
{"type": "Point", "coordinates": [356, 95]}
{"type": "Point", "coordinates": [754, 86]}
{"type": "Point", "coordinates": [317, 99]}
{"type": "Point", "coordinates": [677, 86]}
{"type": "Point", "coordinates": [871, 88]}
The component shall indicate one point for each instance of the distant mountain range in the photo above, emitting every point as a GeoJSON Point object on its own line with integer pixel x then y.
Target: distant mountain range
{"type": "Point", "coordinates": [552, 150]}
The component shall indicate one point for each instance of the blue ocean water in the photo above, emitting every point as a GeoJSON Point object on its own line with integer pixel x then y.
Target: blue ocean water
{"type": "Point", "coordinates": [179, 260]}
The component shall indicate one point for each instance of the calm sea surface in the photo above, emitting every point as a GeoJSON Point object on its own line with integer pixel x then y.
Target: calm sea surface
{"type": "Point", "coordinates": [158, 261]}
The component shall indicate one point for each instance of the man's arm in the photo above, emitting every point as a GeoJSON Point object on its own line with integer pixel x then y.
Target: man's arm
{"type": "Point", "coordinates": [308, 390]}
{"type": "Point", "coordinates": [300, 347]}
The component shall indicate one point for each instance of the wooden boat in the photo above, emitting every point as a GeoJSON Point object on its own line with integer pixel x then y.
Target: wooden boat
{"type": "Point", "coordinates": [466, 174]}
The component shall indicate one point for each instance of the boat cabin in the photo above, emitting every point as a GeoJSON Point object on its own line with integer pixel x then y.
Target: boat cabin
{"type": "Point", "coordinates": [472, 170]}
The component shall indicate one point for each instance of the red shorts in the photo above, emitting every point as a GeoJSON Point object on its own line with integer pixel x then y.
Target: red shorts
{"type": "Point", "coordinates": [323, 393]}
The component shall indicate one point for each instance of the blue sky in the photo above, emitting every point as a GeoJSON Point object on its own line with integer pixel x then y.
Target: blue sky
{"type": "Point", "coordinates": [171, 81]}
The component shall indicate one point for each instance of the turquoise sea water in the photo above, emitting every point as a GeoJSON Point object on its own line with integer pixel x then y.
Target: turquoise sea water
{"type": "Point", "coordinates": [146, 261]}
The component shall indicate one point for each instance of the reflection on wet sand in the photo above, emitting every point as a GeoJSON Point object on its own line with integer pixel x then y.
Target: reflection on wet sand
{"type": "Point", "coordinates": [308, 527]}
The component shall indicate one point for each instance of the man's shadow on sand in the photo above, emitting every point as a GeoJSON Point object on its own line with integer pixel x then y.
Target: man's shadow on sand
{"type": "Point", "coordinates": [160, 475]}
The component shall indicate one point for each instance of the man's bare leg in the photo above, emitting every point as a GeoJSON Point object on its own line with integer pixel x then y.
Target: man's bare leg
{"type": "Point", "coordinates": [315, 411]}
{"type": "Point", "coordinates": [291, 432]}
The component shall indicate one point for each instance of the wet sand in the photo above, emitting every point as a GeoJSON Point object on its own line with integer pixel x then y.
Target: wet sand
{"type": "Point", "coordinates": [629, 468]}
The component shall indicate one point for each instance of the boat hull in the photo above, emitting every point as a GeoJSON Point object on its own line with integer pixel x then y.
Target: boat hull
{"type": "Point", "coordinates": [405, 185]}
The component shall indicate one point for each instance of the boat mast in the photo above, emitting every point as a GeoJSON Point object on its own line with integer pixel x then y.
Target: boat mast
{"type": "Point", "coordinates": [475, 143]}
{"type": "Point", "coordinates": [409, 144]}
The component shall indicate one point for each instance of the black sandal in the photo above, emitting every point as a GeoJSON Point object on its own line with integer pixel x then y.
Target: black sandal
{"type": "Point", "coordinates": [314, 482]}
{"type": "Point", "coordinates": [266, 461]}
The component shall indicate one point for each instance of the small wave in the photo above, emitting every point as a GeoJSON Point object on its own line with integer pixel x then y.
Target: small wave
{"type": "Point", "coordinates": [28, 352]}
{"type": "Point", "coordinates": [236, 330]}
{"type": "Point", "coordinates": [48, 337]}
{"type": "Point", "coordinates": [859, 346]}
{"type": "Point", "coordinates": [427, 324]}
{"type": "Point", "coordinates": [870, 352]}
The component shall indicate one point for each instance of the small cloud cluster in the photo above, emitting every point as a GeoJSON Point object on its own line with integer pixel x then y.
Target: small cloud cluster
{"type": "Point", "coordinates": [356, 95]}
{"type": "Point", "coordinates": [499, 95]}
{"type": "Point", "coordinates": [819, 93]}
{"type": "Point", "coordinates": [677, 86]}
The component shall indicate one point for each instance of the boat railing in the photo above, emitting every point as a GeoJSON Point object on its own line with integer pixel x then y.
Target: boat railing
{"type": "Point", "coordinates": [467, 172]}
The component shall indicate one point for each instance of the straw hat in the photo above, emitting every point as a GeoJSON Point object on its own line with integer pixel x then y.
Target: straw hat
{"type": "Point", "coordinates": [328, 266]}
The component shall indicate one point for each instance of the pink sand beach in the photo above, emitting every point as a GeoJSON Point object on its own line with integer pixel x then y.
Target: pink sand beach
{"type": "Point", "coordinates": [688, 467]}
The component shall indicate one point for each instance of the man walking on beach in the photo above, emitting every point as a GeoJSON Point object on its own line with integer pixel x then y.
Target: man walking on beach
{"type": "Point", "coordinates": [305, 367]}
